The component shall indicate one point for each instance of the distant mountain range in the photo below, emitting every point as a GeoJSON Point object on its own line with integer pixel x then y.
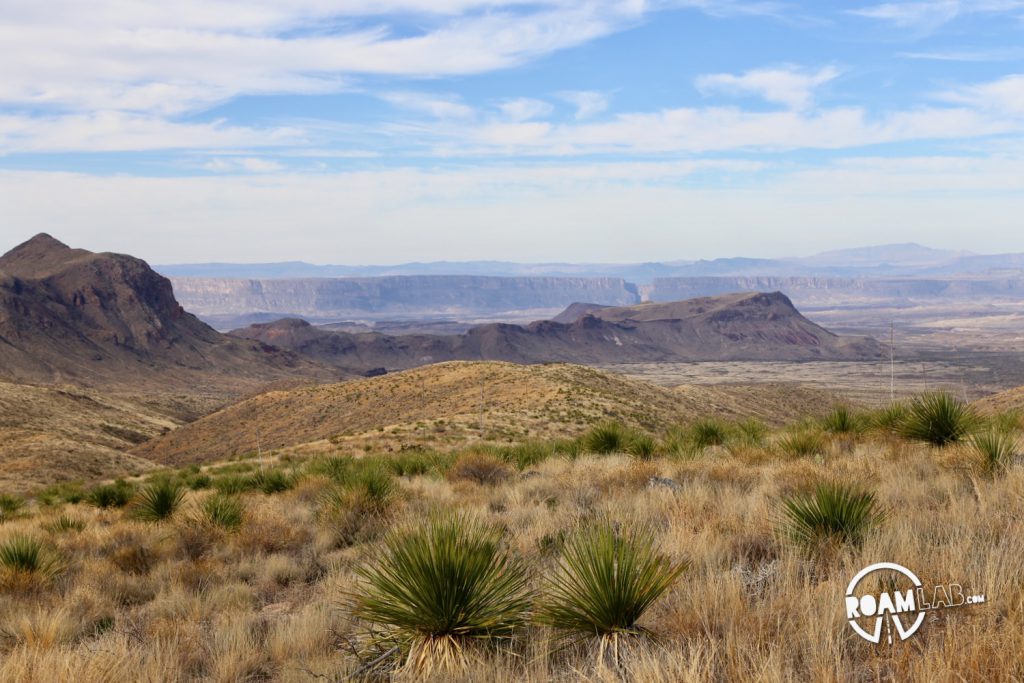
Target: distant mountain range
{"type": "Point", "coordinates": [890, 260]}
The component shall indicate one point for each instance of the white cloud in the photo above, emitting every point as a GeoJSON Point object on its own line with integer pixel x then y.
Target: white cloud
{"type": "Point", "coordinates": [787, 85]}
{"type": "Point", "coordinates": [243, 164]}
{"type": "Point", "coordinates": [577, 212]}
{"type": "Point", "coordinates": [588, 103]}
{"type": "Point", "coordinates": [1003, 96]}
{"type": "Point", "coordinates": [433, 105]}
{"type": "Point", "coordinates": [930, 14]}
{"type": "Point", "coordinates": [524, 109]}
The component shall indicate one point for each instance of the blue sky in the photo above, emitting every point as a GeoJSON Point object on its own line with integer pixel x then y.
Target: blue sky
{"type": "Point", "coordinates": [351, 131]}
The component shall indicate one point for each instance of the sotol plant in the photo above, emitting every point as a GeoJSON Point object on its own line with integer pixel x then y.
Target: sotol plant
{"type": "Point", "coordinates": [606, 438]}
{"type": "Point", "coordinates": [224, 510]}
{"type": "Point", "coordinates": [833, 512]}
{"type": "Point", "coordinates": [995, 450]}
{"type": "Point", "coordinates": [159, 500]}
{"type": "Point", "coordinates": [604, 582]}
{"type": "Point", "coordinates": [443, 587]}
{"type": "Point", "coordinates": [938, 419]}
{"type": "Point", "coordinates": [26, 562]}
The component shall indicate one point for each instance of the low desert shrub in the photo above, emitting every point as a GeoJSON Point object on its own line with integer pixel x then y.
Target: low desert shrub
{"type": "Point", "coordinates": [610, 437]}
{"type": "Point", "coordinates": [114, 495]}
{"type": "Point", "coordinates": [833, 512]}
{"type": "Point", "coordinates": [483, 468]}
{"type": "Point", "coordinates": [708, 432]}
{"type": "Point", "coordinates": [25, 562]}
{"type": "Point", "coordinates": [994, 450]}
{"type": "Point", "coordinates": [604, 582]}
{"type": "Point", "coordinates": [938, 419]}
{"type": "Point", "coordinates": [223, 511]}
{"type": "Point", "coordinates": [158, 501]}
{"type": "Point", "coordinates": [441, 588]}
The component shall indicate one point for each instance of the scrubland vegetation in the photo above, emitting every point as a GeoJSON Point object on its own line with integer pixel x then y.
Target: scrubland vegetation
{"type": "Point", "coordinates": [715, 552]}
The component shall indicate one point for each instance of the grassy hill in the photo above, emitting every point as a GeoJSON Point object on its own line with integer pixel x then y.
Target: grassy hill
{"type": "Point", "coordinates": [450, 404]}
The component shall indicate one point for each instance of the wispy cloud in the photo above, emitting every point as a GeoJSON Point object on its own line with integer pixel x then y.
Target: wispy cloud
{"type": "Point", "coordinates": [788, 85]}
{"type": "Point", "coordinates": [928, 15]}
{"type": "Point", "coordinates": [436, 106]}
{"type": "Point", "coordinates": [588, 103]}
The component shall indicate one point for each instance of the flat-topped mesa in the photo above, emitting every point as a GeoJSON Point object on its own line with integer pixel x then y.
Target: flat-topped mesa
{"type": "Point", "coordinates": [738, 326]}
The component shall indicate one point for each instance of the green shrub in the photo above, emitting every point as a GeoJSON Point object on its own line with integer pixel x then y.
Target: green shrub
{"type": "Point", "coordinates": [377, 485]}
{"type": "Point", "coordinates": [642, 446]}
{"type": "Point", "coordinates": [840, 420]}
{"type": "Point", "coordinates": [995, 450]}
{"type": "Point", "coordinates": [273, 481]}
{"type": "Point", "coordinates": [10, 506]}
{"type": "Point", "coordinates": [802, 442]}
{"type": "Point", "coordinates": [604, 582]}
{"type": "Point", "coordinates": [197, 482]}
{"type": "Point", "coordinates": [610, 437]}
{"type": "Point", "coordinates": [114, 495]}
{"type": "Point", "coordinates": [706, 433]}
{"type": "Point", "coordinates": [25, 561]}
{"type": "Point", "coordinates": [889, 418]}
{"type": "Point", "coordinates": [223, 510]}
{"type": "Point", "coordinates": [832, 513]}
{"type": "Point", "coordinates": [232, 484]}
{"type": "Point", "coordinates": [441, 588]}
{"type": "Point", "coordinates": [64, 523]}
{"type": "Point", "coordinates": [159, 500]}
{"type": "Point", "coordinates": [529, 453]}
{"type": "Point", "coordinates": [751, 432]}
{"type": "Point", "coordinates": [938, 419]}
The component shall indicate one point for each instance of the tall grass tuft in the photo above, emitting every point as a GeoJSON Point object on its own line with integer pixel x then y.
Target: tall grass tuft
{"type": "Point", "coordinates": [224, 511]}
{"type": "Point", "coordinates": [114, 495]}
{"type": "Point", "coordinates": [938, 419]}
{"type": "Point", "coordinates": [25, 562]}
{"type": "Point", "coordinates": [610, 437]}
{"type": "Point", "coordinates": [442, 587]}
{"type": "Point", "coordinates": [706, 433]}
{"type": "Point", "coordinates": [833, 512]}
{"type": "Point", "coordinates": [159, 500]}
{"type": "Point", "coordinates": [273, 481]}
{"type": "Point", "coordinates": [64, 523]}
{"type": "Point", "coordinates": [10, 506]}
{"type": "Point", "coordinates": [802, 442]}
{"type": "Point", "coordinates": [995, 450]}
{"type": "Point", "coordinates": [841, 420]}
{"type": "Point", "coordinates": [642, 446]}
{"type": "Point", "coordinates": [604, 582]}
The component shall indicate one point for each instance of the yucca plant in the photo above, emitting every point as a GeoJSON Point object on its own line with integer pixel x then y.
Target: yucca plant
{"type": "Point", "coordinates": [642, 446]}
{"type": "Point", "coordinates": [802, 442]}
{"type": "Point", "coordinates": [224, 510]}
{"type": "Point", "coordinates": [610, 437]}
{"type": "Point", "coordinates": [114, 495]}
{"type": "Point", "coordinates": [273, 481]}
{"type": "Point", "coordinates": [64, 523]}
{"type": "Point", "coordinates": [841, 420]}
{"type": "Point", "coordinates": [994, 449]}
{"type": "Point", "coordinates": [604, 582]}
{"type": "Point", "coordinates": [833, 512]}
{"type": "Point", "coordinates": [889, 418]}
{"type": "Point", "coordinates": [10, 506]}
{"type": "Point", "coordinates": [706, 433]}
{"type": "Point", "coordinates": [25, 562]}
{"type": "Point", "coordinates": [751, 431]}
{"type": "Point", "coordinates": [441, 588]}
{"type": "Point", "coordinates": [159, 500]}
{"type": "Point", "coordinates": [938, 419]}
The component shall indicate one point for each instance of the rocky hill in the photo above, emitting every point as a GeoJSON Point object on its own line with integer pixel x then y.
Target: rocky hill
{"type": "Point", "coordinates": [73, 316]}
{"type": "Point", "coordinates": [451, 404]}
{"type": "Point", "coordinates": [732, 327]}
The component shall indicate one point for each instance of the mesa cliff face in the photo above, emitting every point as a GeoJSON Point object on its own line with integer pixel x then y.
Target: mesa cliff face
{"type": "Point", "coordinates": [397, 296]}
{"type": "Point", "coordinates": [746, 326]}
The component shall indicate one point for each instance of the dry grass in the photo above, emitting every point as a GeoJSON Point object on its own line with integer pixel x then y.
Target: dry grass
{"type": "Point", "coordinates": [270, 601]}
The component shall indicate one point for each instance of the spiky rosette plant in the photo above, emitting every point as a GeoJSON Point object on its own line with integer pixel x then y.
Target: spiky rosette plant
{"type": "Point", "coordinates": [938, 419]}
{"type": "Point", "coordinates": [606, 579]}
{"type": "Point", "coordinates": [831, 513]}
{"type": "Point", "coordinates": [442, 588]}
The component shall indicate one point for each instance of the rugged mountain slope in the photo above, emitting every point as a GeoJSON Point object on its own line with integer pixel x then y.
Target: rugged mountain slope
{"type": "Point", "coordinates": [450, 404]}
{"type": "Point", "coordinates": [732, 327]}
{"type": "Point", "coordinates": [70, 315]}
{"type": "Point", "coordinates": [65, 433]}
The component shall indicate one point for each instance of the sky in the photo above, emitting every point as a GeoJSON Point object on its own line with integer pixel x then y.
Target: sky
{"type": "Point", "coordinates": [386, 131]}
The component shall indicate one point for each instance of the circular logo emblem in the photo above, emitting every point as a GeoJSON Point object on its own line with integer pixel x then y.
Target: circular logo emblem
{"type": "Point", "coordinates": [889, 603]}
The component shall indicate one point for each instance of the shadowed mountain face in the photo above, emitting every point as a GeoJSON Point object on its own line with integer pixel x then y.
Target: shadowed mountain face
{"type": "Point", "coordinates": [731, 327]}
{"type": "Point", "coordinates": [70, 315]}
